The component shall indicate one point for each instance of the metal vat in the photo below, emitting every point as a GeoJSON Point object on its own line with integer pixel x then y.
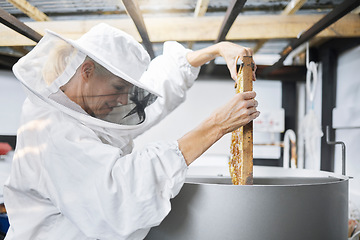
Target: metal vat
{"type": "Point", "coordinates": [282, 204]}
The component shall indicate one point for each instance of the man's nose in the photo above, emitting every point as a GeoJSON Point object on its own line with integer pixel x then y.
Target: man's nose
{"type": "Point", "coordinates": [123, 99]}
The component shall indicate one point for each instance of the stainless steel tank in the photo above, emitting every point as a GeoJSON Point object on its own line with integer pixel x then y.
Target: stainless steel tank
{"type": "Point", "coordinates": [282, 204]}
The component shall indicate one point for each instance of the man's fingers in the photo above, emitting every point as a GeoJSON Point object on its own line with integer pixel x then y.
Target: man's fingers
{"type": "Point", "coordinates": [234, 70]}
{"type": "Point", "coordinates": [254, 70]}
{"type": "Point", "coordinates": [254, 115]}
{"type": "Point", "coordinates": [253, 103]}
{"type": "Point", "coordinates": [248, 95]}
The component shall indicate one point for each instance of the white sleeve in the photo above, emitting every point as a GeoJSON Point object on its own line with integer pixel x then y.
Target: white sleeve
{"type": "Point", "coordinates": [171, 75]}
{"type": "Point", "coordinates": [106, 195]}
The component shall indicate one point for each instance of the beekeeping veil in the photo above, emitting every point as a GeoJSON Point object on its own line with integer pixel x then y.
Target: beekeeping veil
{"type": "Point", "coordinates": [118, 96]}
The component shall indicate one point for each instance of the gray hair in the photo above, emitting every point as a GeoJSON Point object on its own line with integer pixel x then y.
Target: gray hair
{"type": "Point", "coordinates": [60, 57]}
{"type": "Point", "coordinates": [57, 61]}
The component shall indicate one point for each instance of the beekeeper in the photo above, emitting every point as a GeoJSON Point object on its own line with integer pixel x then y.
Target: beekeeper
{"type": "Point", "coordinates": [74, 174]}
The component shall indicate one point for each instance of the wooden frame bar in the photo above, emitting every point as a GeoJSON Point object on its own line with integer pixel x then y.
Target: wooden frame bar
{"type": "Point", "coordinates": [231, 14]}
{"type": "Point", "coordinates": [18, 26]}
{"type": "Point", "coordinates": [344, 8]}
{"type": "Point", "coordinates": [133, 10]}
{"type": "Point", "coordinates": [247, 168]}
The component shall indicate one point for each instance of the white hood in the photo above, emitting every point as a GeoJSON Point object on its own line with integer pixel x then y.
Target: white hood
{"type": "Point", "coordinates": [55, 60]}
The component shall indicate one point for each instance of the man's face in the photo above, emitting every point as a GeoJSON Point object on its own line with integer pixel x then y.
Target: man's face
{"type": "Point", "coordinates": [105, 94]}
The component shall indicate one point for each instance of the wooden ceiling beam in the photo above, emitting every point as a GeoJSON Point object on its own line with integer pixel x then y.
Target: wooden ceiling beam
{"type": "Point", "coordinates": [231, 14]}
{"type": "Point", "coordinates": [133, 9]}
{"type": "Point", "coordinates": [18, 26]}
{"type": "Point", "coordinates": [200, 10]}
{"type": "Point", "coordinates": [290, 9]}
{"type": "Point", "coordinates": [32, 12]}
{"type": "Point", "coordinates": [293, 6]}
{"type": "Point", "coordinates": [29, 10]}
{"type": "Point", "coordinates": [337, 13]}
{"type": "Point", "coordinates": [196, 29]}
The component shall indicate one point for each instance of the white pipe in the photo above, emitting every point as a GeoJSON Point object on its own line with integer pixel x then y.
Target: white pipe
{"type": "Point", "coordinates": [289, 138]}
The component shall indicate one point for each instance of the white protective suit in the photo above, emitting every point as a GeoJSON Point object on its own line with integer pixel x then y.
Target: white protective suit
{"type": "Point", "coordinates": [75, 176]}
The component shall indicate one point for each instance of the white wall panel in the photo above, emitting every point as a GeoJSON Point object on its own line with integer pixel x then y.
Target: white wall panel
{"type": "Point", "coordinates": [347, 118]}
{"type": "Point", "coordinates": [12, 97]}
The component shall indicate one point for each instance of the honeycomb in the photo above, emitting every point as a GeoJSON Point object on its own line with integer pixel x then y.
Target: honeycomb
{"type": "Point", "coordinates": [241, 170]}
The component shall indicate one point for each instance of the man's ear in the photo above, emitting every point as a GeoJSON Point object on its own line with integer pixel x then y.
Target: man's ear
{"type": "Point", "coordinates": [87, 70]}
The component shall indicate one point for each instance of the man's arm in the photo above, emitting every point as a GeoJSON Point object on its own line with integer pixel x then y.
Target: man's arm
{"type": "Point", "coordinates": [240, 110]}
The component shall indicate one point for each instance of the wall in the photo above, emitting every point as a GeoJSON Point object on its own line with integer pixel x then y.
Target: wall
{"type": "Point", "coordinates": [12, 97]}
{"type": "Point", "coordinates": [346, 118]}
{"type": "Point", "coordinates": [202, 99]}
